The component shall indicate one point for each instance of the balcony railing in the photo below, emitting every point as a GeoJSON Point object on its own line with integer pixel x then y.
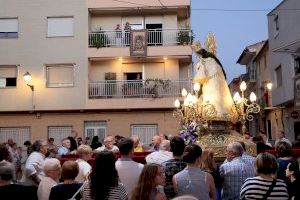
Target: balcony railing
{"type": "Point", "coordinates": [138, 88]}
{"type": "Point", "coordinates": [156, 37]}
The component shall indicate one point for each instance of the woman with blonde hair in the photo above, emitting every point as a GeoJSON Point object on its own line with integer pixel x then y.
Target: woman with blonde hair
{"type": "Point", "coordinates": [152, 176]}
{"type": "Point", "coordinates": [209, 165]}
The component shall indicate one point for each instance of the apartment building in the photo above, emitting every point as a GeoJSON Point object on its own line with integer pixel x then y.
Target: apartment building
{"type": "Point", "coordinates": [97, 66]}
{"type": "Point", "coordinates": [284, 49]}
{"type": "Point", "coordinates": [269, 120]}
{"type": "Point", "coordinates": [247, 59]}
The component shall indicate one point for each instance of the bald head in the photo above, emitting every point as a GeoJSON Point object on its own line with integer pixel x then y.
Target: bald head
{"type": "Point", "coordinates": [51, 164]}
{"type": "Point", "coordinates": [156, 140]}
{"type": "Point", "coordinates": [165, 145]}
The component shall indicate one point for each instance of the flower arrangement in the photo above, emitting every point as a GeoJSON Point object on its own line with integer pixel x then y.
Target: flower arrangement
{"type": "Point", "coordinates": [191, 132]}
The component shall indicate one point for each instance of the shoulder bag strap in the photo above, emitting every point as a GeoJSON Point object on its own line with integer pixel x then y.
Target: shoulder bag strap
{"type": "Point", "coordinates": [73, 197]}
{"type": "Point", "coordinates": [270, 189]}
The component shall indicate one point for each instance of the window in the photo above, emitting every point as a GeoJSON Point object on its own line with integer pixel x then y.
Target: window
{"type": "Point", "coordinates": [59, 133]}
{"type": "Point", "coordinates": [252, 71]}
{"type": "Point", "coordinates": [60, 26]}
{"type": "Point", "coordinates": [276, 25]}
{"type": "Point", "coordinates": [60, 75]}
{"type": "Point", "coordinates": [145, 132]}
{"type": "Point", "coordinates": [297, 65]}
{"type": "Point", "coordinates": [9, 28]}
{"type": "Point", "coordinates": [8, 76]}
{"type": "Point", "coordinates": [95, 128]}
{"type": "Point", "coordinates": [278, 72]}
{"type": "Point", "coordinates": [18, 134]}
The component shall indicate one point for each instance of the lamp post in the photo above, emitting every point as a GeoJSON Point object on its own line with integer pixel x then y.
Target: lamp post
{"type": "Point", "coordinates": [27, 78]}
{"type": "Point", "coordinates": [245, 109]}
{"type": "Point", "coordinates": [269, 86]}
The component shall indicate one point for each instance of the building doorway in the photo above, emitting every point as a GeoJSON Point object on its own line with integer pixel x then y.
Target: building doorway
{"type": "Point", "coordinates": [155, 34]}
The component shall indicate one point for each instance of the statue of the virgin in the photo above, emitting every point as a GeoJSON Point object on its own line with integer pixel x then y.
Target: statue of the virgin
{"type": "Point", "coordinates": [212, 78]}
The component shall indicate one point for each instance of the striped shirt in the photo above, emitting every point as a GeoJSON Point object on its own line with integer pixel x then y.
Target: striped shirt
{"type": "Point", "coordinates": [115, 193]}
{"type": "Point", "coordinates": [257, 187]}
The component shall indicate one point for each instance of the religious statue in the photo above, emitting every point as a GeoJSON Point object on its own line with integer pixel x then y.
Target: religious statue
{"type": "Point", "coordinates": [212, 78]}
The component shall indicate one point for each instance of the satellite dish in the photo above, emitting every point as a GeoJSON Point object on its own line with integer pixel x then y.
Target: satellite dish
{"type": "Point", "coordinates": [2, 82]}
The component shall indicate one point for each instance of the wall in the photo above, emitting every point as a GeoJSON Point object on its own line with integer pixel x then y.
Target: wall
{"type": "Point", "coordinates": [164, 69]}
{"type": "Point", "coordinates": [32, 50]}
{"type": "Point", "coordinates": [118, 123]}
{"type": "Point", "coordinates": [288, 32]}
{"type": "Point", "coordinates": [110, 22]}
{"type": "Point", "coordinates": [135, 3]}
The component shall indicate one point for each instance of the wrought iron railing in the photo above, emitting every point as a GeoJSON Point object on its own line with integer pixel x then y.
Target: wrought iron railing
{"type": "Point", "coordinates": [156, 37]}
{"type": "Point", "coordinates": [151, 88]}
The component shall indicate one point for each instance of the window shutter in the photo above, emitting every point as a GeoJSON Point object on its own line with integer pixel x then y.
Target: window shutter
{"type": "Point", "coordinates": [9, 25]}
{"type": "Point", "coordinates": [18, 134]}
{"type": "Point", "coordinates": [145, 132]}
{"type": "Point", "coordinates": [59, 133]}
{"type": "Point", "coordinates": [60, 26]}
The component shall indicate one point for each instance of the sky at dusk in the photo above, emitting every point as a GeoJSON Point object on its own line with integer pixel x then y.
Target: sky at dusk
{"type": "Point", "coordinates": [234, 30]}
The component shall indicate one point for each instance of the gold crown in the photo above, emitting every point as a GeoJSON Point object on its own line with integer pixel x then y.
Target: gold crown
{"type": "Point", "coordinates": [196, 46]}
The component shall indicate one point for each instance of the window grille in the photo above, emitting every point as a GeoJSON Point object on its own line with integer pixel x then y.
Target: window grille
{"type": "Point", "coordinates": [145, 132]}
{"type": "Point", "coordinates": [18, 134]}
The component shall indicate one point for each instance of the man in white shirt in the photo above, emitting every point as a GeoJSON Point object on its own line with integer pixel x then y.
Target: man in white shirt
{"type": "Point", "coordinates": [33, 171]}
{"type": "Point", "coordinates": [108, 145]}
{"type": "Point", "coordinates": [52, 170]}
{"type": "Point", "coordinates": [281, 138]}
{"type": "Point", "coordinates": [85, 153]}
{"type": "Point", "coordinates": [162, 155]}
{"type": "Point", "coordinates": [128, 170]}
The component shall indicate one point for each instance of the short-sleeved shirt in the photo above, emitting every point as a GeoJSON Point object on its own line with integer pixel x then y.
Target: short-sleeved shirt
{"type": "Point", "coordinates": [234, 173]}
{"type": "Point", "coordinates": [257, 187]}
{"type": "Point", "coordinates": [34, 165]}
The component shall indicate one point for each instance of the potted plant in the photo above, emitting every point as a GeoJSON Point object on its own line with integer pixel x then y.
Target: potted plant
{"type": "Point", "coordinates": [184, 37]}
{"type": "Point", "coordinates": [154, 84]}
{"type": "Point", "coordinates": [99, 39]}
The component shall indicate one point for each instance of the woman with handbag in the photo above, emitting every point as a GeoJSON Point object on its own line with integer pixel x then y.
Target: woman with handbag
{"type": "Point", "coordinates": [264, 185]}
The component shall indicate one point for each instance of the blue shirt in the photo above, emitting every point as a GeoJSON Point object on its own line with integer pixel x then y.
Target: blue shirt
{"type": "Point", "coordinates": [63, 151]}
{"type": "Point", "coordinates": [234, 173]}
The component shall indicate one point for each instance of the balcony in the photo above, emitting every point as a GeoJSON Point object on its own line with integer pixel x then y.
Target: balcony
{"type": "Point", "coordinates": [150, 88]}
{"type": "Point", "coordinates": [156, 37]}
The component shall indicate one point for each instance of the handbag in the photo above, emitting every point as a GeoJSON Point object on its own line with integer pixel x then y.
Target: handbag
{"type": "Point", "coordinates": [73, 197]}
{"type": "Point", "coordinates": [270, 189]}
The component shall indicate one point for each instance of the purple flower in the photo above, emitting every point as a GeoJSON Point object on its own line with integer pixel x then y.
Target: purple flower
{"type": "Point", "coordinates": [189, 134]}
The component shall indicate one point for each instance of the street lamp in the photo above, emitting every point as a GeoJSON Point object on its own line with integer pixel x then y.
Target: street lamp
{"type": "Point", "coordinates": [245, 109]}
{"type": "Point", "coordinates": [269, 86]}
{"type": "Point", "coordinates": [27, 78]}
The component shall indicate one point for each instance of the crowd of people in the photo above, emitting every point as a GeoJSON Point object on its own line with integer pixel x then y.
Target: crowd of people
{"type": "Point", "coordinates": [173, 170]}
